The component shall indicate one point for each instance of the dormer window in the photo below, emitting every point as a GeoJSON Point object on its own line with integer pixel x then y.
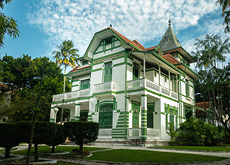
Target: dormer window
{"type": "Point", "coordinates": [108, 40]}
{"type": "Point", "coordinates": [85, 62]}
{"type": "Point", "coordinates": [107, 44]}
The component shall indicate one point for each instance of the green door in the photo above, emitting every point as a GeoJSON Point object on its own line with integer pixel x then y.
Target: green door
{"type": "Point", "coordinates": [150, 111]}
{"type": "Point", "coordinates": [83, 115]}
{"type": "Point", "coordinates": [135, 124]}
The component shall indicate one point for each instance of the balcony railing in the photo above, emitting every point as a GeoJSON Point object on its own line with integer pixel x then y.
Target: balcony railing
{"type": "Point", "coordinates": [143, 83]}
{"type": "Point", "coordinates": [135, 133]}
{"type": "Point", "coordinates": [71, 95]}
{"type": "Point", "coordinates": [104, 87]}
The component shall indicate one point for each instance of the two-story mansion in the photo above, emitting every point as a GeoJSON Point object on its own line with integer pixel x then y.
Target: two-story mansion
{"type": "Point", "coordinates": [133, 92]}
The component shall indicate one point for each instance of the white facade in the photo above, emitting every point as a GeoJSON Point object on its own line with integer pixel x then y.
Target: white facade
{"type": "Point", "coordinates": [131, 92]}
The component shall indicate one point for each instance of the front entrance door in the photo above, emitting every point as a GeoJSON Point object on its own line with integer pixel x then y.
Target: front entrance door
{"type": "Point", "coordinates": [135, 124]}
{"type": "Point", "coordinates": [150, 111]}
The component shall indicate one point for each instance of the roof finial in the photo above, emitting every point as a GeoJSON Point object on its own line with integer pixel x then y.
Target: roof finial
{"type": "Point", "coordinates": [169, 20]}
{"type": "Point", "coordinates": [110, 25]}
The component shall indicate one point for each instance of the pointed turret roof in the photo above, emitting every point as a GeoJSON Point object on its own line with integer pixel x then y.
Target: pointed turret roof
{"type": "Point", "coordinates": [169, 40]}
{"type": "Point", "coordinates": [169, 44]}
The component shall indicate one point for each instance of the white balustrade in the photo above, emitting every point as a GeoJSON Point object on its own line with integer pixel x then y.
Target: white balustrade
{"type": "Point", "coordinates": [152, 85]}
{"type": "Point", "coordinates": [135, 84]}
{"type": "Point", "coordinates": [165, 91]}
{"type": "Point", "coordinates": [144, 83]}
{"type": "Point", "coordinates": [174, 95]}
{"type": "Point", "coordinates": [84, 92]}
{"type": "Point", "coordinates": [134, 133]}
{"type": "Point", "coordinates": [71, 95]}
{"type": "Point", "coordinates": [104, 87]}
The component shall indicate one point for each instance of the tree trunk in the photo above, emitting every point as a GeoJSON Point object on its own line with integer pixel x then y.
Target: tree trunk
{"type": "Point", "coordinates": [35, 152]}
{"type": "Point", "coordinates": [63, 92]}
{"type": "Point", "coordinates": [7, 152]}
{"type": "Point", "coordinates": [81, 148]}
{"type": "Point", "coordinates": [53, 148]}
{"type": "Point", "coordinates": [31, 139]}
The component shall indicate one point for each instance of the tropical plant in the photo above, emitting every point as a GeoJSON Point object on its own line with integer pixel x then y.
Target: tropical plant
{"type": "Point", "coordinates": [196, 132]}
{"type": "Point", "coordinates": [214, 80]}
{"type": "Point", "coordinates": [172, 133]}
{"type": "Point", "coordinates": [66, 55]}
{"type": "Point", "coordinates": [8, 25]}
{"type": "Point", "coordinates": [81, 132]}
{"type": "Point", "coordinates": [225, 4]}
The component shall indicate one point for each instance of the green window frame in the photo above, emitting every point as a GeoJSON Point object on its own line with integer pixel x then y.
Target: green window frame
{"type": "Point", "coordinates": [105, 42]}
{"type": "Point", "coordinates": [108, 72]}
{"type": "Point", "coordinates": [84, 62]}
{"type": "Point", "coordinates": [85, 84]}
{"type": "Point", "coordinates": [106, 116]}
{"type": "Point", "coordinates": [136, 71]}
{"type": "Point", "coordinates": [187, 87]}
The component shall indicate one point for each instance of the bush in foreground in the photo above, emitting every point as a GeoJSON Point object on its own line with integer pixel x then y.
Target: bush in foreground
{"type": "Point", "coordinates": [196, 132]}
{"type": "Point", "coordinates": [8, 137]}
{"type": "Point", "coordinates": [81, 132]}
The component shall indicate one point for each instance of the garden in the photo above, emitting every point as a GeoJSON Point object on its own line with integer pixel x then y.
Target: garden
{"type": "Point", "coordinates": [192, 135]}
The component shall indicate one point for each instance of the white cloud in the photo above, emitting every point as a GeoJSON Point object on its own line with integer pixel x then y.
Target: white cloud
{"type": "Point", "coordinates": [144, 20]}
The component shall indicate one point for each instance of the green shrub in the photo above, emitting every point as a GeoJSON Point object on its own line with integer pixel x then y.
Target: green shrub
{"type": "Point", "coordinates": [59, 137]}
{"type": "Point", "coordinates": [196, 132]}
{"type": "Point", "coordinates": [44, 133]}
{"type": "Point", "coordinates": [8, 137]}
{"type": "Point", "coordinates": [81, 132]}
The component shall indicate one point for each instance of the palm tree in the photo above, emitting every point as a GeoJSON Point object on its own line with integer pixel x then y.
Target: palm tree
{"type": "Point", "coordinates": [225, 4]}
{"type": "Point", "coordinates": [66, 56]}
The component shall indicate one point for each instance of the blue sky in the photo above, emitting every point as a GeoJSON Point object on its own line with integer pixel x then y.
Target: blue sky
{"type": "Point", "coordinates": [44, 24]}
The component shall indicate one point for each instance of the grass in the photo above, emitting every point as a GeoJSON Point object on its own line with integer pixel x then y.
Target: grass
{"type": "Point", "coordinates": [225, 148]}
{"type": "Point", "coordinates": [46, 149]}
{"type": "Point", "coordinates": [137, 156]}
{"type": "Point", "coordinates": [124, 155]}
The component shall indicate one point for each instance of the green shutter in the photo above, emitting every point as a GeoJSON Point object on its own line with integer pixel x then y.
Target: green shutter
{"type": "Point", "coordinates": [187, 88]}
{"type": "Point", "coordinates": [108, 72]}
{"type": "Point", "coordinates": [85, 84]}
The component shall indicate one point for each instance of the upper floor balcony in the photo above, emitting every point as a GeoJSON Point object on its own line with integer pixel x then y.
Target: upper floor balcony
{"type": "Point", "coordinates": [144, 83]}
{"type": "Point", "coordinates": [72, 95]}
{"type": "Point", "coordinates": [105, 89]}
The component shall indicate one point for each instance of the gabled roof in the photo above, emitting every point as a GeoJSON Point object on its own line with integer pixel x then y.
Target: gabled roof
{"type": "Point", "coordinates": [107, 32]}
{"type": "Point", "coordinates": [170, 59]}
{"type": "Point", "coordinates": [77, 68]}
{"type": "Point", "coordinates": [151, 48]}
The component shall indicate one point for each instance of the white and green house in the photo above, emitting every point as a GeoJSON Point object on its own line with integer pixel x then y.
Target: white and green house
{"type": "Point", "coordinates": [133, 92]}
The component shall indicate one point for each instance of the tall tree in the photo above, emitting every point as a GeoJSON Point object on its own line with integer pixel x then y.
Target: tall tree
{"type": "Point", "coordinates": [7, 24]}
{"type": "Point", "coordinates": [66, 55]}
{"type": "Point", "coordinates": [214, 81]}
{"type": "Point", "coordinates": [225, 4]}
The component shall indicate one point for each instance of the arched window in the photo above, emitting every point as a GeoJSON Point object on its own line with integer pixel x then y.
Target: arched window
{"type": "Point", "coordinates": [106, 116]}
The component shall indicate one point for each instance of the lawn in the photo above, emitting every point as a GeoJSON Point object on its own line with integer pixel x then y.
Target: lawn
{"type": "Point", "coordinates": [124, 155]}
{"type": "Point", "coordinates": [199, 148]}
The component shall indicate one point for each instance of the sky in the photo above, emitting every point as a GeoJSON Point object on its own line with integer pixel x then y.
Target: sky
{"type": "Point", "coordinates": [44, 24]}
